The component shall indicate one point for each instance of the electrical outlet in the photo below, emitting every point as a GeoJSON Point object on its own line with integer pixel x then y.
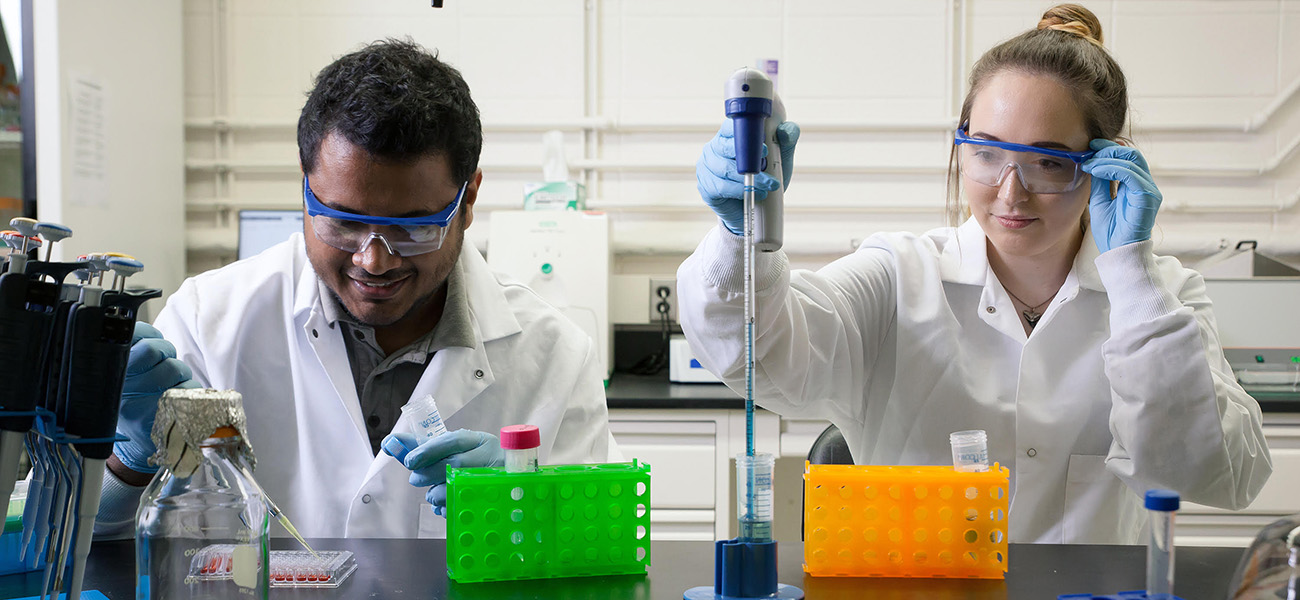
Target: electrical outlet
{"type": "Point", "coordinates": [657, 296]}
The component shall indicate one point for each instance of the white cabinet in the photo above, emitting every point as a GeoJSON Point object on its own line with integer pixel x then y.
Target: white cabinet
{"type": "Point", "coordinates": [689, 452]}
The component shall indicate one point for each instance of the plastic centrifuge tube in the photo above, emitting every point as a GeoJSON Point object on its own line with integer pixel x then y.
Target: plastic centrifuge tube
{"type": "Point", "coordinates": [970, 451]}
{"type": "Point", "coordinates": [1162, 504]}
{"type": "Point", "coordinates": [520, 443]}
{"type": "Point", "coordinates": [424, 418]}
{"type": "Point", "coordinates": [754, 496]}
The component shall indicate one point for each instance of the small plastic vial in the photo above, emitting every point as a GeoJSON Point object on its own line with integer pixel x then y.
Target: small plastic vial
{"type": "Point", "coordinates": [1162, 504]}
{"type": "Point", "coordinates": [424, 418]}
{"type": "Point", "coordinates": [520, 443]}
{"type": "Point", "coordinates": [754, 496]}
{"type": "Point", "coordinates": [970, 451]}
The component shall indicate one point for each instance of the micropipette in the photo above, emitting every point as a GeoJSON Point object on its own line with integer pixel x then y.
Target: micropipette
{"type": "Point", "coordinates": [52, 232]}
{"type": "Point", "coordinates": [279, 515]}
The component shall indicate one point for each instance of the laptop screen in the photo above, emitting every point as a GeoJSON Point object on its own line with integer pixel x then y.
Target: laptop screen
{"type": "Point", "coordinates": [261, 229]}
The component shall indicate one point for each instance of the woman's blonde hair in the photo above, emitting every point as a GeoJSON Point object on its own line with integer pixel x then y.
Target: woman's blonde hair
{"type": "Point", "coordinates": [1067, 45]}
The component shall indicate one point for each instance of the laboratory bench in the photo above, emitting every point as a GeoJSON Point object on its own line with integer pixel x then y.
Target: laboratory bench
{"type": "Point", "coordinates": [626, 390]}
{"type": "Point", "coordinates": [389, 568]}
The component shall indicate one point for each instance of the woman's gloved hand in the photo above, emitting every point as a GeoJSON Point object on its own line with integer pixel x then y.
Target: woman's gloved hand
{"type": "Point", "coordinates": [723, 189]}
{"type": "Point", "coordinates": [151, 369]}
{"type": "Point", "coordinates": [428, 461]}
{"type": "Point", "coordinates": [1131, 214]}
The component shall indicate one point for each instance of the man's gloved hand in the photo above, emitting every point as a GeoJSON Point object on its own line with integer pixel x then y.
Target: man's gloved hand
{"type": "Point", "coordinates": [1131, 214]}
{"type": "Point", "coordinates": [428, 461]}
{"type": "Point", "coordinates": [151, 369]}
{"type": "Point", "coordinates": [723, 189]}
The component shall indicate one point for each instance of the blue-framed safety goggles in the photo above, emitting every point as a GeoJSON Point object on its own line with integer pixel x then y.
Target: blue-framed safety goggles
{"type": "Point", "coordinates": [351, 232]}
{"type": "Point", "coordinates": [1041, 170]}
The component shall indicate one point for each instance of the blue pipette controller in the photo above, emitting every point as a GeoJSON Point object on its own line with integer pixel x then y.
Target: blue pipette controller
{"type": "Point", "coordinates": [756, 110]}
{"type": "Point", "coordinates": [745, 568]}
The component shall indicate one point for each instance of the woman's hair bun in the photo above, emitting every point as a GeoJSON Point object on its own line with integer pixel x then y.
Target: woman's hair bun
{"type": "Point", "coordinates": [1075, 19]}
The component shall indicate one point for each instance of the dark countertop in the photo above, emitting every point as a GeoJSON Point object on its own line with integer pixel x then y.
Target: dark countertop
{"type": "Point", "coordinates": [416, 569]}
{"type": "Point", "coordinates": [655, 391]}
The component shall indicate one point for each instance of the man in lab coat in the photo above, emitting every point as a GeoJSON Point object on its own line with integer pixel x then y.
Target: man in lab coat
{"type": "Point", "coordinates": [378, 302]}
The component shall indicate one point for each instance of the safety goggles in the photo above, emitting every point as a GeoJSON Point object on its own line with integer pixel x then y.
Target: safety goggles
{"type": "Point", "coordinates": [1041, 170]}
{"type": "Point", "coordinates": [354, 233]}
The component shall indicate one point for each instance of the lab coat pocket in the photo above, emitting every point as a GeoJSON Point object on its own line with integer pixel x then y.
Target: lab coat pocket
{"type": "Point", "coordinates": [1093, 501]}
{"type": "Point", "coordinates": [431, 525]}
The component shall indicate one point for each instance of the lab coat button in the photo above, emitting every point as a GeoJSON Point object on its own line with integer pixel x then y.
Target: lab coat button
{"type": "Point", "coordinates": [1031, 452]}
{"type": "Point", "coordinates": [990, 309]}
{"type": "Point", "coordinates": [314, 334]}
{"type": "Point", "coordinates": [365, 499]}
{"type": "Point", "coordinates": [478, 373]}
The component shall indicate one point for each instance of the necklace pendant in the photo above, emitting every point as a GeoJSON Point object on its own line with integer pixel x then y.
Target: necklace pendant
{"type": "Point", "coordinates": [1032, 317]}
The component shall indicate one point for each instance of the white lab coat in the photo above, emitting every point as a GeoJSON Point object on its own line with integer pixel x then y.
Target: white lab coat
{"type": "Point", "coordinates": [256, 326]}
{"type": "Point", "coordinates": [1122, 386]}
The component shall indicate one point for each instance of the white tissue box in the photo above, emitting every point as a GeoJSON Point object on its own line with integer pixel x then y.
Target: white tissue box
{"type": "Point", "coordinates": [555, 195]}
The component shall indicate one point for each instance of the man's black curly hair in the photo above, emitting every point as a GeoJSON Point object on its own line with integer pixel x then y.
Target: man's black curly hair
{"type": "Point", "coordinates": [398, 102]}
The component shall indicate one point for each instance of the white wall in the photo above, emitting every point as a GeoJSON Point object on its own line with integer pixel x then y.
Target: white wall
{"type": "Point", "coordinates": [132, 50]}
{"type": "Point", "coordinates": [637, 85]}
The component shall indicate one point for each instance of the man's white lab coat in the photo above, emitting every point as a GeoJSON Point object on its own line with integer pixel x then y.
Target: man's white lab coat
{"type": "Point", "coordinates": [1122, 386]}
{"type": "Point", "coordinates": [256, 326]}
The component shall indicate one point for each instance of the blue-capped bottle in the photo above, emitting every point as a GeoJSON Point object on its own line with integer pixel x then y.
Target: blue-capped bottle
{"type": "Point", "coordinates": [202, 527]}
{"type": "Point", "coordinates": [1162, 504]}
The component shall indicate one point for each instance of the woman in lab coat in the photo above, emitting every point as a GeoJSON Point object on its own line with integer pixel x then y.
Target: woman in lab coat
{"type": "Point", "coordinates": [1044, 318]}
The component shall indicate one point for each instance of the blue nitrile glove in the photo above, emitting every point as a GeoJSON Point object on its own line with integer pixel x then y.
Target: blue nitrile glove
{"type": "Point", "coordinates": [151, 369]}
{"type": "Point", "coordinates": [723, 189]}
{"type": "Point", "coordinates": [428, 461]}
{"type": "Point", "coordinates": [1128, 217]}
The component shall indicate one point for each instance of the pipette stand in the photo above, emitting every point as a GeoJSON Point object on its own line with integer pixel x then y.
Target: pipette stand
{"type": "Point", "coordinates": [743, 571]}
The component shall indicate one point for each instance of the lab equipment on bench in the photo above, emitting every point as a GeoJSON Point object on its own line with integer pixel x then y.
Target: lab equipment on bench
{"type": "Point", "coordinates": [203, 495]}
{"type": "Point", "coordinates": [1260, 338]}
{"type": "Point", "coordinates": [683, 367]}
{"type": "Point", "coordinates": [905, 521]}
{"type": "Point", "coordinates": [65, 348]}
{"type": "Point", "coordinates": [289, 568]}
{"type": "Point", "coordinates": [563, 256]}
{"type": "Point", "coordinates": [557, 521]}
{"type": "Point", "coordinates": [1270, 567]}
{"type": "Point", "coordinates": [746, 566]}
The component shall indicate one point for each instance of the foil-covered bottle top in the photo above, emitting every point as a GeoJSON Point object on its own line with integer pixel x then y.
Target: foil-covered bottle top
{"type": "Point", "coordinates": [187, 417]}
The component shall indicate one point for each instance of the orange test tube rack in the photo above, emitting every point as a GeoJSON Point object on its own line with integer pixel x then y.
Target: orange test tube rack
{"type": "Point", "coordinates": [905, 521]}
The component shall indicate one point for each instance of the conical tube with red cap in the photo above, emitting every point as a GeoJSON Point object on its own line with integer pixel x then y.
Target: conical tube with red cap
{"type": "Point", "coordinates": [520, 443]}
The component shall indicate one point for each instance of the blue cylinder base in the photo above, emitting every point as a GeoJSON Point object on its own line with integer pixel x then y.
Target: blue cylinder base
{"type": "Point", "coordinates": [743, 571]}
{"type": "Point", "coordinates": [705, 592]}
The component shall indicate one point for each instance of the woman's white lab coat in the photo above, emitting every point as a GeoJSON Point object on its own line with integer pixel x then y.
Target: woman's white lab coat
{"type": "Point", "coordinates": [256, 326]}
{"type": "Point", "coordinates": [1121, 387]}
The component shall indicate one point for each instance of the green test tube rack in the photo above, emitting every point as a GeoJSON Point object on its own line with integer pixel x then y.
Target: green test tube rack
{"type": "Point", "coordinates": [560, 521]}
